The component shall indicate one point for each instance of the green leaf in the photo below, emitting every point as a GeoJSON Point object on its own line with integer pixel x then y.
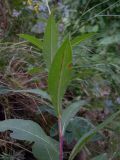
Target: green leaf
{"type": "Point", "coordinates": [70, 112]}
{"type": "Point", "coordinates": [33, 40]}
{"type": "Point", "coordinates": [101, 157]}
{"type": "Point", "coordinates": [60, 75]}
{"type": "Point", "coordinates": [44, 147]}
{"type": "Point", "coordinates": [50, 41]}
{"type": "Point", "coordinates": [85, 138]}
{"type": "Point", "coordinates": [68, 135]}
{"type": "Point", "coordinates": [77, 127]}
{"type": "Point", "coordinates": [38, 92]}
{"type": "Point", "coordinates": [80, 126]}
{"type": "Point", "coordinates": [77, 40]}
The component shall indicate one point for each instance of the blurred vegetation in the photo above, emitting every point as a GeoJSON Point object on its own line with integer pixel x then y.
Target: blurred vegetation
{"type": "Point", "coordinates": [96, 76]}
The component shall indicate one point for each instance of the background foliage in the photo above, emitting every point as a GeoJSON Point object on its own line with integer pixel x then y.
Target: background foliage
{"type": "Point", "coordinates": [96, 75]}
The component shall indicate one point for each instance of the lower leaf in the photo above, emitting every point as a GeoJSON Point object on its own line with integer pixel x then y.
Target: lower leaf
{"type": "Point", "coordinates": [101, 157]}
{"type": "Point", "coordinates": [85, 138]}
{"type": "Point", "coordinates": [44, 147]}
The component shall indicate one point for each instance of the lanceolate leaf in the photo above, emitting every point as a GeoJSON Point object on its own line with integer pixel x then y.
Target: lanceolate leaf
{"type": "Point", "coordinates": [80, 126]}
{"type": "Point", "coordinates": [50, 41]}
{"type": "Point", "coordinates": [77, 40]}
{"type": "Point", "coordinates": [70, 112]}
{"type": "Point", "coordinates": [60, 74]}
{"type": "Point", "coordinates": [85, 138]}
{"type": "Point", "coordinates": [38, 92]}
{"type": "Point", "coordinates": [44, 147]}
{"type": "Point", "coordinates": [33, 40]}
{"type": "Point", "coordinates": [101, 157]}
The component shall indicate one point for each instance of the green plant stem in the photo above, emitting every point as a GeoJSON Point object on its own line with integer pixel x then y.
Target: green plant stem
{"type": "Point", "coordinates": [60, 139]}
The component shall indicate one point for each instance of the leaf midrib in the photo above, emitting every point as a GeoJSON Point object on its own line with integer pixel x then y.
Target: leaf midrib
{"type": "Point", "coordinates": [34, 135]}
{"type": "Point", "coordinates": [51, 41]}
{"type": "Point", "coordinates": [60, 81]}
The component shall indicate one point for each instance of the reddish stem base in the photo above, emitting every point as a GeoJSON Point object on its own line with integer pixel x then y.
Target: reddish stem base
{"type": "Point", "coordinates": [60, 139]}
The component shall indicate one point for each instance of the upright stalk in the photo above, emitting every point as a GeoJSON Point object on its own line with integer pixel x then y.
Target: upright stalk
{"type": "Point", "coordinates": [60, 139]}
